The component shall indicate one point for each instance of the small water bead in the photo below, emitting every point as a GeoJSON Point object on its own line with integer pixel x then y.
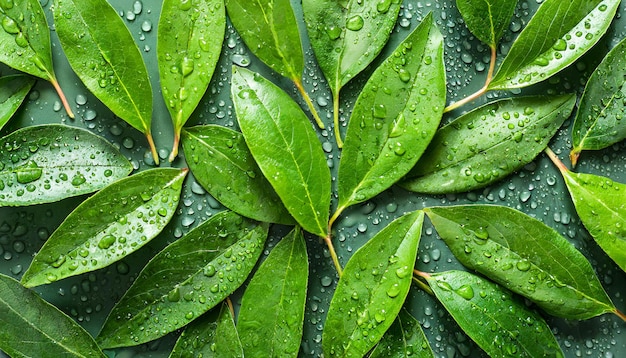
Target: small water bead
{"type": "Point", "coordinates": [146, 26]}
{"type": "Point", "coordinates": [130, 16]}
{"type": "Point", "coordinates": [137, 7]}
{"type": "Point", "coordinates": [81, 99]}
{"type": "Point", "coordinates": [326, 281]}
{"type": "Point", "coordinates": [240, 60]}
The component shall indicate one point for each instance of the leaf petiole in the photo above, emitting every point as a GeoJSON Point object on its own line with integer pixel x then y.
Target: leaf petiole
{"type": "Point", "coordinates": [620, 314]}
{"type": "Point", "coordinates": [155, 155]}
{"type": "Point", "coordinates": [66, 105]}
{"type": "Point", "coordinates": [424, 286]}
{"type": "Point", "coordinates": [309, 102]}
{"type": "Point", "coordinates": [333, 254]}
{"type": "Point", "coordinates": [559, 164]}
{"type": "Point", "coordinates": [480, 92]}
{"type": "Point", "coordinates": [174, 152]}
{"type": "Point", "coordinates": [336, 120]}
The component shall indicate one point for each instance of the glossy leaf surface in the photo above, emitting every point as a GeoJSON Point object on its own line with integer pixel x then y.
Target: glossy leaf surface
{"type": "Point", "coordinates": [272, 308]}
{"type": "Point", "coordinates": [212, 335]}
{"type": "Point", "coordinates": [286, 148]}
{"type": "Point", "coordinates": [372, 289]}
{"type": "Point", "coordinates": [404, 339]}
{"type": "Point", "coordinates": [488, 143]}
{"type": "Point", "coordinates": [347, 35]}
{"type": "Point", "coordinates": [186, 279]}
{"type": "Point", "coordinates": [13, 91]}
{"type": "Point", "coordinates": [35, 328]}
{"type": "Point", "coordinates": [598, 123]}
{"type": "Point", "coordinates": [222, 163]}
{"type": "Point", "coordinates": [547, 46]}
{"type": "Point", "coordinates": [47, 163]}
{"type": "Point", "coordinates": [508, 327]}
{"type": "Point", "coordinates": [487, 19]}
{"type": "Point", "coordinates": [110, 225]}
{"type": "Point", "coordinates": [395, 117]}
{"type": "Point", "coordinates": [524, 255]}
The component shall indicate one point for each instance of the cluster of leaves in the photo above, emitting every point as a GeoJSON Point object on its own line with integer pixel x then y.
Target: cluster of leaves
{"type": "Point", "coordinates": [274, 171]}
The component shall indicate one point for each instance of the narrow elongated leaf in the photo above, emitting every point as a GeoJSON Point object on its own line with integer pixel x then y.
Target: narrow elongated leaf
{"type": "Point", "coordinates": [13, 91]}
{"type": "Point", "coordinates": [185, 280]}
{"type": "Point", "coordinates": [221, 162]}
{"type": "Point", "coordinates": [35, 328]}
{"type": "Point", "coordinates": [395, 117]}
{"type": "Point", "coordinates": [598, 123]}
{"type": "Point", "coordinates": [487, 19]}
{"type": "Point", "coordinates": [47, 163]}
{"type": "Point", "coordinates": [488, 143]}
{"type": "Point", "coordinates": [404, 339]}
{"type": "Point", "coordinates": [508, 327]}
{"type": "Point", "coordinates": [108, 226]}
{"type": "Point", "coordinates": [212, 335]}
{"type": "Point", "coordinates": [525, 256]}
{"type": "Point", "coordinates": [556, 36]}
{"type": "Point", "coordinates": [104, 55]}
{"type": "Point", "coordinates": [286, 148]}
{"type": "Point", "coordinates": [372, 289]}
{"type": "Point", "coordinates": [272, 308]}
{"type": "Point", "coordinates": [189, 42]}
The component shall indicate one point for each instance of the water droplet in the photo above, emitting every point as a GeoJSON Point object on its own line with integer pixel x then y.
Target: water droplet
{"type": "Point", "coordinates": [465, 291]}
{"type": "Point", "coordinates": [383, 6]}
{"type": "Point", "coordinates": [393, 291]}
{"type": "Point", "coordinates": [174, 295]}
{"type": "Point", "coordinates": [523, 265]}
{"type": "Point", "coordinates": [187, 66]}
{"type": "Point", "coordinates": [403, 271]}
{"type": "Point", "coordinates": [28, 173]}
{"type": "Point", "coordinates": [146, 26]}
{"type": "Point", "coordinates": [10, 26]}
{"type": "Point", "coordinates": [106, 242]}
{"type": "Point", "coordinates": [78, 179]}
{"type": "Point", "coordinates": [355, 23]}
{"type": "Point", "coordinates": [379, 111]}
{"type": "Point", "coordinates": [560, 45]}
{"type": "Point", "coordinates": [333, 32]}
{"type": "Point", "coordinates": [185, 4]}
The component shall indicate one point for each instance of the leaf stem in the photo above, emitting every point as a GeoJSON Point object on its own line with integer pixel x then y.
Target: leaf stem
{"type": "Point", "coordinates": [423, 286]}
{"type": "Point", "coordinates": [155, 155]}
{"type": "Point", "coordinates": [335, 217]}
{"type": "Point", "coordinates": [230, 306]}
{"type": "Point", "coordinates": [66, 105]}
{"type": "Point", "coordinates": [336, 119]}
{"type": "Point", "coordinates": [573, 156]}
{"type": "Point", "coordinates": [174, 152]}
{"type": "Point", "coordinates": [559, 164]}
{"type": "Point", "coordinates": [333, 254]}
{"type": "Point", "coordinates": [620, 314]}
{"type": "Point", "coordinates": [309, 102]}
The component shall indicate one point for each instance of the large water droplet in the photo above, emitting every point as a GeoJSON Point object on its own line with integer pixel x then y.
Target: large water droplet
{"type": "Point", "coordinates": [28, 173]}
{"type": "Point", "coordinates": [355, 23]}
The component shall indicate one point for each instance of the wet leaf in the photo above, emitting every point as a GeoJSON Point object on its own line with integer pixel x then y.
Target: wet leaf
{"type": "Point", "coordinates": [488, 143]}
{"type": "Point", "coordinates": [104, 55]}
{"type": "Point", "coordinates": [221, 162]}
{"type": "Point", "coordinates": [110, 225]}
{"type": "Point", "coordinates": [598, 123]}
{"type": "Point", "coordinates": [523, 255]}
{"type": "Point", "coordinates": [212, 335]}
{"type": "Point", "coordinates": [546, 46]}
{"type": "Point", "coordinates": [35, 328]}
{"type": "Point", "coordinates": [272, 308]}
{"type": "Point", "coordinates": [390, 129]}
{"type": "Point", "coordinates": [507, 327]}
{"type": "Point", "coordinates": [13, 91]}
{"type": "Point", "coordinates": [185, 280]}
{"type": "Point", "coordinates": [189, 42]}
{"type": "Point", "coordinates": [487, 19]}
{"type": "Point", "coordinates": [286, 148]}
{"type": "Point", "coordinates": [404, 339]}
{"type": "Point", "coordinates": [47, 163]}
{"type": "Point", "coordinates": [372, 289]}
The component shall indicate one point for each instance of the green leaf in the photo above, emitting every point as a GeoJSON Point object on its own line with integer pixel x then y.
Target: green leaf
{"type": "Point", "coordinates": [488, 143]}
{"type": "Point", "coordinates": [487, 19]}
{"type": "Point", "coordinates": [272, 308]}
{"type": "Point", "coordinates": [35, 328]}
{"type": "Point", "coordinates": [107, 227]}
{"type": "Point", "coordinates": [395, 117]}
{"type": "Point", "coordinates": [598, 123]}
{"type": "Point", "coordinates": [507, 327]}
{"type": "Point", "coordinates": [221, 162]}
{"type": "Point", "coordinates": [186, 279]}
{"type": "Point", "coordinates": [47, 163]}
{"type": "Point", "coordinates": [13, 91]}
{"type": "Point", "coordinates": [347, 35]}
{"type": "Point", "coordinates": [102, 52]}
{"type": "Point", "coordinates": [546, 46]}
{"type": "Point", "coordinates": [372, 289]}
{"type": "Point", "coordinates": [189, 42]}
{"type": "Point", "coordinates": [286, 148]}
{"type": "Point", "coordinates": [212, 335]}
{"type": "Point", "coordinates": [523, 255]}
{"type": "Point", "coordinates": [404, 339]}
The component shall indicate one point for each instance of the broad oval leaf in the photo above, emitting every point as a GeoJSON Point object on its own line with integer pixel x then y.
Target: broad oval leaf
{"type": "Point", "coordinates": [508, 327]}
{"type": "Point", "coordinates": [222, 163]}
{"type": "Point", "coordinates": [372, 289]}
{"type": "Point", "coordinates": [189, 42]}
{"type": "Point", "coordinates": [598, 123]}
{"type": "Point", "coordinates": [110, 225]}
{"type": "Point", "coordinates": [102, 52]}
{"type": "Point", "coordinates": [546, 46]}
{"type": "Point", "coordinates": [395, 117]}
{"type": "Point", "coordinates": [404, 339]}
{"type": "Point", "coordinates": [212, 335]}
{"type": "Point", "coordinates": [272, 308]}
{"type": "Point", "coordinates": [185, 280]}
{"type": "Point", "coordinates": [487, 19]}
{"type": "Point", "coordinates": [13, 91]}
{"type": "Point", "coordinates": [488, 143]}
{"type": "Point", "coordinates": [286, 148]}
{"type": "Point", "coordinates": [35, 328]}
{"type": "Point", "coordinates": [347, 35]}
{"type": "Point", "coordinates": [525, 256]}
{"type": "Point", "coordinates": [47, 163]}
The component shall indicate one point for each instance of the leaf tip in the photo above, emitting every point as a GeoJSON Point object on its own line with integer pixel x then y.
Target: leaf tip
{"type": "Point", "coordinates": [573, 157]}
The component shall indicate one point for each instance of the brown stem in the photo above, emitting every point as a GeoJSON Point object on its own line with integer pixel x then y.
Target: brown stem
{"type": "Point", "coordinates": [155, 155]}
{"type": "Point", "coordinates": [620, 314]}
{"type": "Point", "coordinates": [573, 157]}
{"type": "Point", "coordinates": [559, 164]}
{"type": "Point", "coordinates": [230, 306]}
{"type": "Point", "coordinates": [336, 120]}
{"type": "Point", "coordinates": [174, 152]}
{"type": "Point", "coordinates": [423, 286]}
{"type": "Point", "coordinates": [333, 254]}
{"type": "Point", "coordinates": [66, 105]}
{"type": "Point", "coordinates": [309, 102]}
